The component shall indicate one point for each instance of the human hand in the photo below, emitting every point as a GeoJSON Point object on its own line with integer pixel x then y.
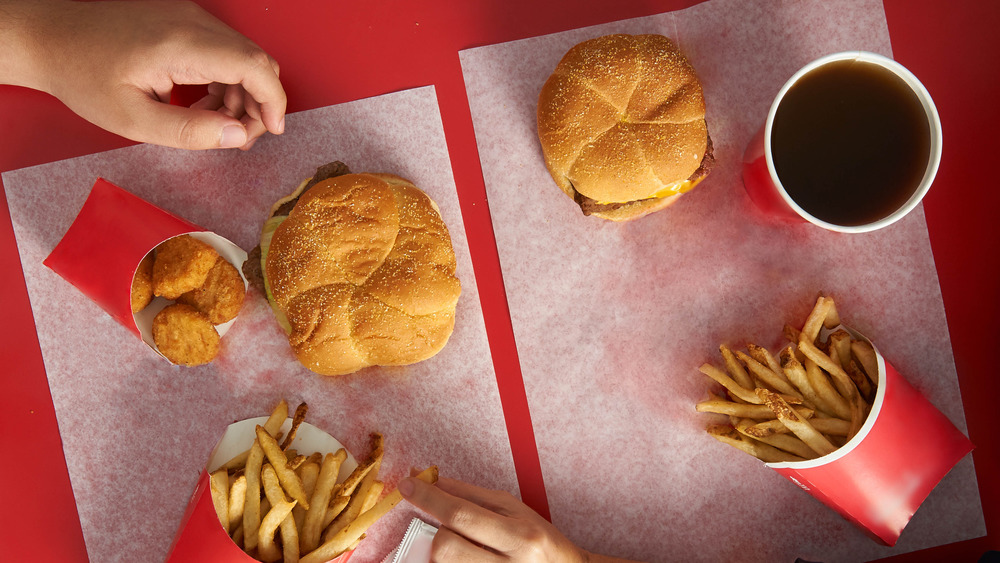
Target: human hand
{"type": "Point", "coordinates": [478, 524]}
{"type": "Point", "coordinates": [115, 64]}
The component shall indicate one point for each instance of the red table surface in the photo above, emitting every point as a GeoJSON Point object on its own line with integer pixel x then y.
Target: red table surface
{"type": "Point", "coordinates": [333, 52]}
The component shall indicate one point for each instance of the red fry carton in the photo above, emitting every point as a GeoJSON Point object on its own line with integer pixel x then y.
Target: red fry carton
{"type": "Point", "coordinates": [112, 233]}
{"type": "Point", "coordinates": [200, 536]}
{"type": "Point", "coordinates": [878, 479]}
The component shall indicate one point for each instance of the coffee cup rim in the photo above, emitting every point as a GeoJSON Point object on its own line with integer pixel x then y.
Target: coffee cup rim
{"type": "Point", "coordinates": [934, 122]}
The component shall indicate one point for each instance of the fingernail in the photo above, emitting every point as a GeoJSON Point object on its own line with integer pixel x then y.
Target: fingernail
{"type": "Point", "coordinates": [281, 126]}
{"type": "Point", "coordinates": [233, 136]}
{"type": "Point", "coordinates": [405, 487]}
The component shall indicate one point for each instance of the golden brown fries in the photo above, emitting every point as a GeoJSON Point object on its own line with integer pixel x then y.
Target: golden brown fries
{"type": "Point", "coordinates": [353, 531]}
{"type": "Point", "coordinates": [289, 533]}
{"type": "Point", "coordinates": [784, 442]}
{"type": "Point", "coordinates": [308, 472]}
{"type": "Point", "coordinates": [735, 368]}
{"type": "Point", "coordinates": [759, 412]}
{"type": "Point", "coordinates": [219, 485]}
{"type": "Point", "coordinates": [798, 425]}
{"type": "Point", "coordinates": [764, 452]}
{"type": "Point", "coordinates": [237, 499]}
{"type": "Point", "coordinates": [300, 415]}
{"type": "Point", "coordinates": [807, 402]}
{"type": "Point", "coordinates": [279, 505]}
{"type": "Point", "coordinates": [289, 480]}
{"type": "Point", "coordinates": [320, 501]}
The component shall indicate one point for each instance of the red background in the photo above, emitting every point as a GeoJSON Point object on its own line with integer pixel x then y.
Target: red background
{"type": "Point", "coordinates": [332, 52]}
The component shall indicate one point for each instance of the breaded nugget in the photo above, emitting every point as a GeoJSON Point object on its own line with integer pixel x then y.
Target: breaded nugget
{"type": "Point", "coordinates": [221, 296]}
{"type": "Point", "coordinates": [185, 336]}
{"type": "Point", "coordinates": [181, 264]}
{"type": "Point", "coordinates": [142, 284]}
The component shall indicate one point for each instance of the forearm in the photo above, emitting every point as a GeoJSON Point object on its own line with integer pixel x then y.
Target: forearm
{"type": "Point", "coordinates": [25, 40]}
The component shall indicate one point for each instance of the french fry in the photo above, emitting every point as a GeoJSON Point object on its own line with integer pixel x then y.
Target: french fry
{"type": "Point", "coordinates": [784, 442]}
{"type": "Point", "coordinates": [735, 368]}
{"type": "Point", "coordinates": [840, 378]}
{"type": "Point", "coordinates": [356, 543]}
{"type": "Point", "coordinates": [320, 500]}
{"type": "Point", "coordinates": [353, 508]}
{"type": "Point", "coordinates": [238, 461]}
{"type": "Point", "coordinates": [833, 387]}
{"type": "Point", "coordinates": [761, 354]}
{"type": "Point", "coordinates": [288, 478]}
{"type": "Point", "coordinates": [347, 536]}
{"type": "Point", "coordinates": [796, 374]}
{"type": "Point", "coordinates": [265, 505]}
{"type": "Point", "coordinates": [300, 415]}
{"type": "Point", "coordinates": [830, 400]}
{"type": "Point", "coordinates": [374, 459]}
{"type": "Point", "coordinates": [798, 425]}
{"type": "Point", "coordinates": [760, 450]}
{"type": "Point", "coordinates": [267, 550]}
{"type": "Point", "coordinates": [860, 380]}
{"type": "Point", "coordinates": [295, 462]}
{"type": "Point", "coordinates": [238, 535]}
{"type": "Point", "coordinates": [373, 495]}
{"type": "Point", "coordinates": [814, 322]}
{"type": "Point", "coordinates": [768, 377]}
{"type": "Point", "coordinates": [758, 412]}
{"type": "Point", "coordinates": [832, 316]}
{"type": "Point", "coordinates": [343, 511]}
{"type": "Point", "coordinates": [251, 507]}
{"type": "Point", "coordinates": [840, 344]}
{"type": "Point", "coordinates": [289, 533]}
{"type": "Point", "coordinates": [826, 426]}
{"type": "Point", "coordinates": [865, 355]}
{"type": "Point", "coordinates": [831, 352]}
{"type": "Point", "coordinates": [219, 487]}
{"type": "Point", "coordinates": [831, 426]}
{"type": "Point", "coordinates": [237, 499]}
{"type": "Point", "coordinates": [273, 423]}
{"type": "Point", "coordinates": [846, 387]}
{"type": "Point", "coordinates": [309, 473]}
{"type": "Point", "coordinates": [337, 505]}
{"type": "Point", "coordinates": [731, 385]}
{"type": "Point", "coordinates": [765, 429]}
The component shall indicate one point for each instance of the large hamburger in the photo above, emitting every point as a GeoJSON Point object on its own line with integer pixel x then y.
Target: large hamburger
{"type": "Point", "coordinates": [360, 271]}
{"type": "Point", "coordinates": [621, 123]}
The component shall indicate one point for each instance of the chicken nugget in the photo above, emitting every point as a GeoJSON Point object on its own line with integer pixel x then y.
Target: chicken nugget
{"type": "Point", "coordinates": [181, 264]}
{"type": "Point", "coordinates": [221, 296]}
{"type": "Point", "coordinates": [185, 336]}
{"type": "Point", "coordinates": [142, 284]}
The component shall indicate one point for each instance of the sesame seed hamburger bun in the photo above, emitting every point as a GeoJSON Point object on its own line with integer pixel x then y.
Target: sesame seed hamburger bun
{"type": "Point", "coordinates": [360, 271]}
{"type": "Point", "coordinates": [621, 122]}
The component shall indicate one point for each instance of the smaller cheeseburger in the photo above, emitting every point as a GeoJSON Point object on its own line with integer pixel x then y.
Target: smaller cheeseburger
{"type": "Point", "coordinates": [622, 126]}
{"type": "Point", "coordinates": [360, 271]}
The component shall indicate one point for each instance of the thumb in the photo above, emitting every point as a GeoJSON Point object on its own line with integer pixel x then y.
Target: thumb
{"type": "Point", "coordinates": [185, 128]}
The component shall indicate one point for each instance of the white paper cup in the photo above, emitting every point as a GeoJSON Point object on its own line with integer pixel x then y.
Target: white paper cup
{"type": "Point", "coordinates": [764, 186]}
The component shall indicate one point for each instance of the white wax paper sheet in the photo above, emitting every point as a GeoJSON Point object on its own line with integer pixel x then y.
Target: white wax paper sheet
{"type": "Point", "coordinates": [137, 431]}
{"type": "Point", "coordinates": [612, 320]}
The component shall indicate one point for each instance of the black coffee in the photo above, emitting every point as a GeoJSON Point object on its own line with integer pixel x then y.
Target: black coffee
{"type": "Point", "coordinates": [850, 142]}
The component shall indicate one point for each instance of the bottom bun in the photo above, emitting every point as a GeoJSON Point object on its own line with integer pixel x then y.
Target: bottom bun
{"type": "Point", "coordinates": [636, 209]}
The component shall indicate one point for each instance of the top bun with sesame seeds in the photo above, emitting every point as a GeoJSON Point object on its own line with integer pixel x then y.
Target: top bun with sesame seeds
{"type": "Point", "coordinates": [622, 126]}
{"type": "Point", "coordinates": [360, 271]}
